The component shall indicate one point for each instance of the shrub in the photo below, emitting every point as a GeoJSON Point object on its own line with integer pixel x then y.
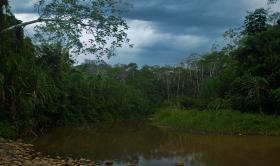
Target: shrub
{"type": "Point", "coordinates": [7, 130]}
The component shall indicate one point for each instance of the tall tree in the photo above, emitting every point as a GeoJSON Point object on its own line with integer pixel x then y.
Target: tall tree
{"type": "Point", "coordinates": [66, 21]}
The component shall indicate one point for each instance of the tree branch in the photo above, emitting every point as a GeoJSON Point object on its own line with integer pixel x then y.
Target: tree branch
{"type": "Point", "coordinates": [40, 20]}
{"type": "Point", "coordinates": [25, 24]}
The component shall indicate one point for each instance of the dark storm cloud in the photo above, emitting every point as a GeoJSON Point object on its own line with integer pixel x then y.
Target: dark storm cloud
{"type": "Point", "coordinates": [190, 16]}
{"type": "Point", "coordinates": [204, 18]}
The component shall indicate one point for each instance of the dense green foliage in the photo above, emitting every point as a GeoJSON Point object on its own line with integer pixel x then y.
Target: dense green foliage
{"type": "Point", "coordinates": [246, 79]}
{"type": "Point", "coordinates": [40, 87]}
{"type": "Point", "coordinates": [218, 121]}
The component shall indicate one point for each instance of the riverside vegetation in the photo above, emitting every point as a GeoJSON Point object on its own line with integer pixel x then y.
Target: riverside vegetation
{"type": "Point", "coordinates": [218, 122]}
{"type": "Point", "coordinates": [40, 87]}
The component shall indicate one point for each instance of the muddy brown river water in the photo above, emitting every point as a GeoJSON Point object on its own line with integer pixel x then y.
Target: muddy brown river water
{"type": "Point", "coordinates": [147, 145]}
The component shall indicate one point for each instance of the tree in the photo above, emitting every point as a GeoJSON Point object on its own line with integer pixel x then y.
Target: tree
{"type": "Point", "coordinates": [250, 93]}
{"type": "Point", "coordinates": [255, 21]}
{"type": "Point", "coordinates": [4, 5]}
{"type": "Point", "coordinates": [66, 21]}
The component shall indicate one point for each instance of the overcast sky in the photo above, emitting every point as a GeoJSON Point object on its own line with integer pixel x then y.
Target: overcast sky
{"type": "Point", "coordinates": [167, 31]}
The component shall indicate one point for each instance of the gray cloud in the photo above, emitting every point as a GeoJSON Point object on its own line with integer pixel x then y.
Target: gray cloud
{"type": "Point", "coordinates": [201, 18]}
{"type": "Point", "coordinates": [190, 16]}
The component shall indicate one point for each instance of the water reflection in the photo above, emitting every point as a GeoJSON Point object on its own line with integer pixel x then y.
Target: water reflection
{"type": "Point", "coordinates": [147, 145]}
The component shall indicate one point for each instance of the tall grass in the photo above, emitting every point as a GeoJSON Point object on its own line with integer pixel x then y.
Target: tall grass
{"type": "Point", "coordinates": [222, 121]}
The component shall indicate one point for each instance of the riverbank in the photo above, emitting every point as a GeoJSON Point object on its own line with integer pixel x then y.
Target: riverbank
{"type": "Point", "coordinates": [218, 122]}
{"type": "Point", "coordinates": [18, 153]}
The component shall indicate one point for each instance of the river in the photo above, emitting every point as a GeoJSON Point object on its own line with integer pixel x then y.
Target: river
{"type": "Point", "coordinates": [147, 145]}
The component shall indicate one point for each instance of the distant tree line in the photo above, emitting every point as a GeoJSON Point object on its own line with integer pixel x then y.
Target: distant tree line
{"type": "Point", "coordinates": [244, 75]}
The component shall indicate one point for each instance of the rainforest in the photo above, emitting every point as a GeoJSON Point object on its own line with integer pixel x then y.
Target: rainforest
{"type": "Point", "coordinates": [228, 96]}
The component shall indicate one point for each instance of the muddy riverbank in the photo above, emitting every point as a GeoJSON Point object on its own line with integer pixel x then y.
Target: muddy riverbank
{"type": "Point", "coordinates": [19, 153]}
